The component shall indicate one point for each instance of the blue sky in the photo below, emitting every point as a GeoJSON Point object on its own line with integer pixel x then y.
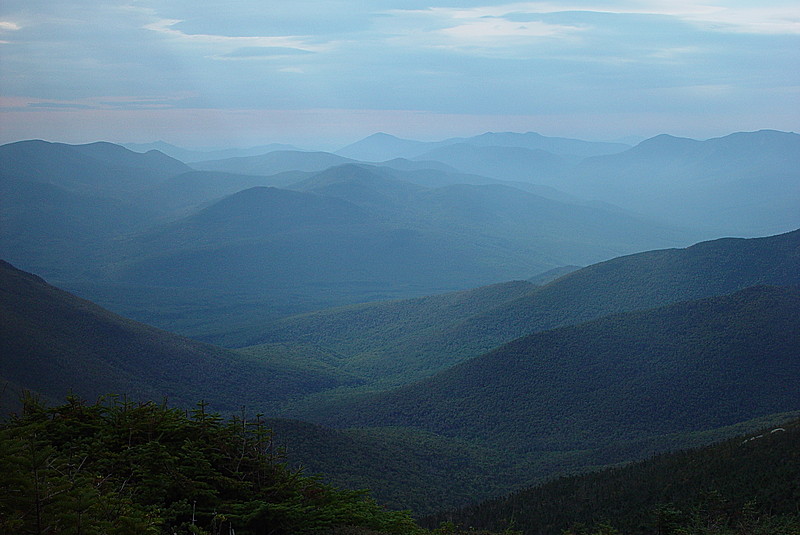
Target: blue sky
{"type": "Point", "coordinates": [321, 74]}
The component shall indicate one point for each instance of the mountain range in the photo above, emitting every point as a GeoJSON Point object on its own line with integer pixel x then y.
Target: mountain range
{"type": "Point", "coordinates": [411, 316]}
{"type": "Point", "coordinates": [613, 389]}
{"type": "Point", "coordinates": [128, 228]}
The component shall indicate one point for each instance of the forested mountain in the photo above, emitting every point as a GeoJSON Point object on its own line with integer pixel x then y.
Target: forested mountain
{"type": "Point", "coordinates": [633, 376]}
{"type": "Point", "coordinates": [54, 343]}
{"type": "Point", "coordinates": [746, 484]}
{"type": "Point", "coordinates": [426, 340]}
{"type": "Point", "coordinates": [382, 341]}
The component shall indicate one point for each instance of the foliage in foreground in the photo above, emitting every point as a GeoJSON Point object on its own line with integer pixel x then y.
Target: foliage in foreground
{"type": "Point", "coordinates": [117, 468]}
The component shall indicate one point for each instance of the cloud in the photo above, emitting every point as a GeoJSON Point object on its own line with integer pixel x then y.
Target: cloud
{"type": "Point", "coordinates": [167, 27]}
{"type": "Point", "coordinates": [261, 52]}
{"type": "Point", "coordinates": [771, 17]}
{"type": "Point", "coordinates": [6, 25]}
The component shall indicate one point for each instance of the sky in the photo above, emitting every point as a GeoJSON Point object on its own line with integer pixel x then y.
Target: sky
{"type": "Point", "coordinates": [322, 74]}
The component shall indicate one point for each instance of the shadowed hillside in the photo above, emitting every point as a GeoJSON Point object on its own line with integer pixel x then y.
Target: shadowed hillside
{"type": "Point", "coordinates": [53, 342]}
{"type": "Point", "coordinates": [679, 368]}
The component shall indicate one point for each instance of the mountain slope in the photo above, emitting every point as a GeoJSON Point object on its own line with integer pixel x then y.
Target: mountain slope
{"type": "Point", "coordinates": [46, 228]}
{"type": "Point", "coordinates": [757, 472]}
{"type": "Point", "coordinates": [376, 341]}
{"type": "Point", "coordinates": [53, 342]}
{"type": "Point", "coordinates": [633, 282]}
{"type": "Point", "coordinates": [679, 368]}
{"type": "Point", "coordinates": [645, 280]}
{"type": "Point", "coordinates": [380, 147]}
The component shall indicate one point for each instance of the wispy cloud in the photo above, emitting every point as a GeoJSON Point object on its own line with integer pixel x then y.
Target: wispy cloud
{"type": "Point", "coordinates": [7, 25]}
{"type": "Point", "coordinates": [772, 17]}
{"type": "Point", "coordinates": [167, 27]}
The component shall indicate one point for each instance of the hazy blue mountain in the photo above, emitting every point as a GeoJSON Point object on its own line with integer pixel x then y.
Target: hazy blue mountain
{"type": "Point", "coordinates": [100, 169]}
{"type": "Point", "coordinates": [274, 163]}
{"type": "Point", "coordinates": [745, 183]}
{"type": "Point", "coordinates": [433, 175]}
{"type": "Point", "coordinates": [385, 237]}
{"type": "Point", "coordinates": [685, 367]}
{"type": "Point", "coordinates": [504, 163]}
{"type": "Point", "coordinates": [266, 238]}
{"type": "Point", "coordinates": [427, 173]}
{"type": "Point", "coordinates": [559, 232]}
{"type": "Point", "coordinates": [189, 156]}
{"type": "Point", "coordinates": [53, 342]}
{"type": "Point", "coordinates": [381, 147]}
{"type": "Point", "coordinates": [566, 147]}
{"type": "Point", "coordinates": [58, 232]}
{"type": "Point", "coordinates": [404, 164]}
{"type": "Point", "coordinates": [185, 192]}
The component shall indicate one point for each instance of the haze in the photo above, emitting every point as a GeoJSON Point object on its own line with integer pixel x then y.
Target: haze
{"type": "Point", "coordinates": [324, 74]}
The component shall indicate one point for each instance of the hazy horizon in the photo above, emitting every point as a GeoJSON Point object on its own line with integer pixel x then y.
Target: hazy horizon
{"type": "Point", "coordinates": [321, 75]}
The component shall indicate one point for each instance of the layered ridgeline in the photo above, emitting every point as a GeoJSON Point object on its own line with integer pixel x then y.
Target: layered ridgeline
{"type": "Point", "coordinates": [401, 341]}
{"type": "Point", "coordinates": [142, 234]}
{"type": "Point", "coordinates": [54, 343]}
{"type": "Point", "coordinates": [746, 484]}
{"type": "Point", "coordinates": [381, 147]}
{"type": "Point", "coordinates": [617, 385]}
{"type": "Point", "coordinates": [745, 183]}
{"type": "Point", "coordinates": [702, 183]}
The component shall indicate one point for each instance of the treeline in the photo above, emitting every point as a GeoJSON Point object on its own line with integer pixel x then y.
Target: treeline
{"type": "Point", "coordinates": [116, 467]}
{"type": "Point", "coordinates": [743, 486]}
